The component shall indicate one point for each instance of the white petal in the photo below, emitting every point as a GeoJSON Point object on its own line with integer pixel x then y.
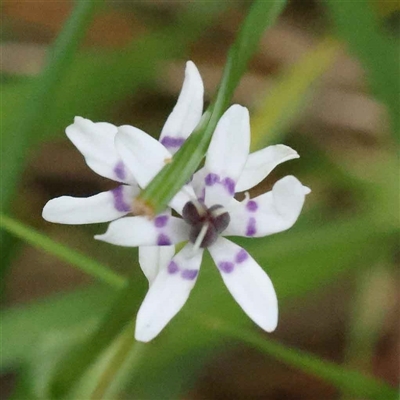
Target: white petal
{"type": "Point", "coordinates": [163, 230]}
{"type": "Point", "coordinates": [198, 183]}
{"type": "Point", "coordinates": [168, 293]}
{"type": "Point", "coordinates": [272, 212]}
{"type": "Point", "coordinates": [153, 259]}
{"type": "Point", "coordinates": [227, 154]}
{"type": "Point", "coordinates": [102, 207]}
{"type": "Point", "coordinates": [143, 155]}
{"type": "Point", "coordinates": [260, 163]}
{"type": "Point", "coordinates": [96, 142]}
{"type": "Point", "coordinates": [247, 282]}
{"type": "Point", "coordinates": [181, 198]}
{"type": "Point", "coordinates": [187, 111]}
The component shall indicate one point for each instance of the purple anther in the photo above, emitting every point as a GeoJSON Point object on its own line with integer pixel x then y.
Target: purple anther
{"type": "Point", "coordinates": [229, 185]}
{"type": "Point", "coordinates": [251, 227]}
{"type": "Point", "coordinates": [170, 141]}
{"type": "Point", "coordinates": [211, 179]}
{"type": "Point", "coordinates": [119, 170]}
{"type": "Point", "coordinates": [252, 206]}
{"type": "Point", "coordinates": [163, 240]}
{"type": "Point", "coordinates": [226, 266]}
{"type": "Point", "coordinates": [189, 274]}
{"type": "Point", "coordinates": [173, 268]}
{"type": "Point", "coordinates": [241, 256]}
{"type": "Point", "coordinates": [161, 221]}
{"type": "Point", "coordinates": [119, 202]}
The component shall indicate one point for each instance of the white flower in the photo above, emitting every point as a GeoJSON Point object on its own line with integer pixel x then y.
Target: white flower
{"type": "Point", "coordinates": [103, 146]}
{"type": "Point", "coordinates": [209, 212]}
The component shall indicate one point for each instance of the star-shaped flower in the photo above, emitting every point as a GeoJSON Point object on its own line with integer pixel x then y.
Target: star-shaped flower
{"type": "Point", "coordinates": [209, 211]}
{"type": "Point", "coordinates": [104, 153]}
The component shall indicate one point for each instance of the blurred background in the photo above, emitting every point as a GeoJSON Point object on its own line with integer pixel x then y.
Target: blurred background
{"type": "Point", "coordinates": [335, 271]}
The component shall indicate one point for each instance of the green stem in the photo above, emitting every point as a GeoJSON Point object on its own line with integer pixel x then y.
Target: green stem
{"type": "Point", "coordinates": [73, 368]}
{"type": "Point", "coordinates": [173, 176]}
{"type": "Point", "coordinates": [16, 144]}
{"type": "Point", "coordinates": [346, 379]}
{"type": "Point", "coordinates": [78, 260]}
{"type": "Point", "coordinates": [124, 362]}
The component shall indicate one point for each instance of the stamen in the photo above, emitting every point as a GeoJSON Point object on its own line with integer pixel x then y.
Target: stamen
{"type": "Point", "coordinates": [219, 211]}
{"type": "Point", "coordinates": [200, 238]}
{"type": "Point", "coordinates": [199, 207]}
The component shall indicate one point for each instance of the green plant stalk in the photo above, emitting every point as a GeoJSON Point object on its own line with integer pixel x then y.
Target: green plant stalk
{"type": "Point", "coordinates": [68, 374]}
{"type": "Point", "coordinates": [58, 60]}
{"type": "Point", "coordinates": [13, 156]}
{"type": "Point", "coordinates": [173, 176]}
{"type": "Point", "coordinates": [129, 352]}
{"type": "Point", "coordinates": [44, 243]}
{"type": "Point", "coordinates": [276, 111]}
{"type": "Point", "coordinates": [348, 380]}
{"type": "Point", "coordinates": [81, 359]}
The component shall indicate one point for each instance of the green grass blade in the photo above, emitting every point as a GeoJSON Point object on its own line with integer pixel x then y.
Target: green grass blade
{"type": "Point", "coordinates": [358, 25]}
{"type": "Point", "coordinates": [168, 182]}
{"type": "Point", "coordinates": [285, 99]}
{"type": "Point", "coordinates": [349, 381]}
{"type": "Point", "coordinates": [331, 373]}
{"type": "Point", "coordinates": [58, 61]}
{"type": "Point", "coordinates": [15, 144]}
{"type": "Point", "coordinates": [42, 242]}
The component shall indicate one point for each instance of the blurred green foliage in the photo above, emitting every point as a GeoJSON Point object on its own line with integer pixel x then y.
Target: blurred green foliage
{"type": "Point", "coordinates": [79, 343]}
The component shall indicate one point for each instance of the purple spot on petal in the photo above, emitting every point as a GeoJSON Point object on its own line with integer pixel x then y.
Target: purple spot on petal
{"type": "Point", "coordinates": [241, 256]}
{"type": "Point", "coordinates": [226, 266]}
{"type": "Point", "coordinates": [252, 206]}
{"type": "Point", "coordinates": [170, 141]}
{"type": "Point", "coordinates": [173, 268]}
{"type": "Point", "coordinates": [163, 240]}
{"type": "Point", "coordinates": [120, 171]}
{"type": "Point", "coordinates": [189, 274]}
{"type": "Point", "coordinates": [119, 202]}
{"type": "Point", "coordinates": [211, 179]}
{"type": "Point", "coordinates": [251, 227]}
{"type": "Point", "coordinates": [161, 221]}
{"type": "Point", "coordinates": [229, 185]}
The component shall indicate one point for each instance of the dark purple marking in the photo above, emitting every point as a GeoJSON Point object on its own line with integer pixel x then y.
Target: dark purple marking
{"type": "Point", "coordinates": [163, 240]}
{"type": "Point", "coordinates": [251, 227]}
{"type": "Point", "coordinates": [161, 221]}
{"type": "Point", "coordinates": [119, 202]}
{"type": "Point", "coordinates": [241, 256]}
{"type": "Point", "coordinates": [252, 206]}
{"type": "Point", "coordinates": [173, 268]}
{"type": "Point", "coordinates": [119, 170]}
{"type": "Point", "coordinates": [229, 185]}
{"type": "Point", "coordinates": [226, 266]}
{"type": "Point", "coordinates": [170, 141]}
{"type": "Point", "coordinates": [211, 179]}
{"type": "Point", "coordinates": [189, 274]}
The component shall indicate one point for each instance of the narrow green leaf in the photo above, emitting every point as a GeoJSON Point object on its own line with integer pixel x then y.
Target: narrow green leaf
{"type": "Point", "coordinates": [69, 372]}
{"type": "Point", "coordinates": [349, 381]}
{"type": "Point", "coordinates": [171, 178]}
{"type": "Point", "coordinates": [358, 25]}
{"type": "Point", "coordinates": [287, 96]}
{"type": "Point", "coordinates": [348, 234]}
{"type": "Point", "coordinates": [74, 258]}
{"type": "Point", "coordinates": [17, 143]}
{"type": "Point", "coordinates": [58, 60]}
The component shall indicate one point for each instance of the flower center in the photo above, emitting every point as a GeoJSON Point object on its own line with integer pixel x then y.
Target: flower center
{"type": "Point", "coordinates": [206, 223]}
